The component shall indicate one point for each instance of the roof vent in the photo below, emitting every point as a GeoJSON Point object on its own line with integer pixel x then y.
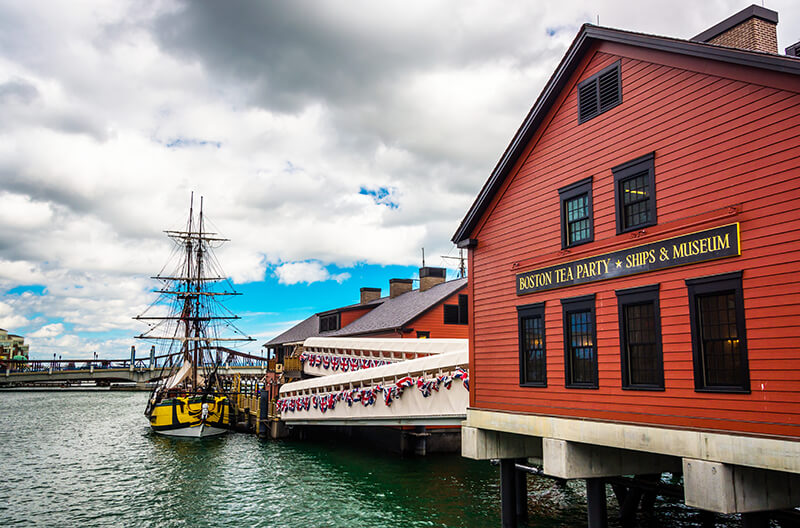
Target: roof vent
{"type": "Point", "coordinates": [752, 28]}
{"type": "Point", "coordinates": [793, 50]}
{"type": "Point", "coordinates": [599, 93]}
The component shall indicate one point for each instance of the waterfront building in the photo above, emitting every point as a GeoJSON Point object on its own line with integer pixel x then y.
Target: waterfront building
{"type": "Point", "coordinates": [437, 309]}
{"type": "Point", "coordinates": [12, 345]}
{"type": "Point", "coordinates": [634, 263]}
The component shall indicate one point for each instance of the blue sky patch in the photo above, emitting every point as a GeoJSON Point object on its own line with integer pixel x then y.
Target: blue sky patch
{"type": "Point", "coordinates": [381, 196]}
{"type": "Point", "coordinates": [191, 142]}
{"type": "Point", "coordinates": [36, 289]}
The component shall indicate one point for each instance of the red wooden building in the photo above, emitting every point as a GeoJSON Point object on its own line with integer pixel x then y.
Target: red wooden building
{"type": "Point", "coordinates": [635, 267]}
{"type": "Point", "coordinates": [437, 309]}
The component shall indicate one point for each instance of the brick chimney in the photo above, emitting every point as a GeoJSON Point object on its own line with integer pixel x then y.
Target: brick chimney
{"type": "Point", "coordinates": [752, 28]}
{"type": "Point", "coordinates": [430, 277]}
{"type": "Point", "coordinates": [399, 287]}
{"type": "Point", "coordinates": [370, 294]}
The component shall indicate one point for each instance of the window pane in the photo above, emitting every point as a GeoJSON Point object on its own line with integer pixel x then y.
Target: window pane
{"type": "Point", "coordinates": [533, 349]}
{"type": "Point", "coordinates": [719, 340]}
{"type": "Point", "coordinates": [577, 214]}
{"type": "Point", "coordinates": [581, 347]}
{"type": "Point", "coordinates": [577, 208]}
{"type": "Point", "coordinates": [636, 200]}
{"type": "Point", "coordinates": [641, 344]}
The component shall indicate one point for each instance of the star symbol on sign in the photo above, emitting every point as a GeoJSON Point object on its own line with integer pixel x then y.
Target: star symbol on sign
{"type": "Point", "coordinates": [619, 263]}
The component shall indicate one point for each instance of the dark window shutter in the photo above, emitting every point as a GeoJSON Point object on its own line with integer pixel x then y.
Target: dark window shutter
{"type": "Point", "coordinates": [609, 89]}
{"type": "Point", "coordinates": [587, 97]}
{"type": "Point", "coordinates": [450, 314]}
{"type": "Point", "coordinates": [600, 92]}
{"type": "Point", "coordinates": [463, 309]}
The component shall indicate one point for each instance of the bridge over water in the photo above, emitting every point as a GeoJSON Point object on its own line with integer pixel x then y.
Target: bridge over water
{"type": "Point", "coordinates": [138, 370]}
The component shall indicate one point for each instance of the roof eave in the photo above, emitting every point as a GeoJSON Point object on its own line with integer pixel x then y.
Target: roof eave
{"type": "Point", "coordinates": [587, 35]}
{"type": "Point", "coordinates": [528, 126]}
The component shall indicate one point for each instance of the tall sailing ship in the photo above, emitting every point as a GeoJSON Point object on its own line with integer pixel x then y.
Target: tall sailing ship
{"type": "Point", "coordinates": [188, 319]}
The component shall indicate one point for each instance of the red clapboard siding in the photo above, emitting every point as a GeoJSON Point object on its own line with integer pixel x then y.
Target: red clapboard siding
{"type": "Point", "coordinates": [727, 149]}
{"type": "Point", "coordinates": [348, 316]}
{"type": "Point", "coordinates": [433, 321]}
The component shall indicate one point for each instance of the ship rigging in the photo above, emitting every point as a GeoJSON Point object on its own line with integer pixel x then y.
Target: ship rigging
{"type": "Point", "coordinates": [190, 321]}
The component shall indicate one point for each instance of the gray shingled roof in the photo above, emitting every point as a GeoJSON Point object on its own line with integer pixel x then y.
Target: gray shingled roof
{"type": "Point", "coordinates": [310, 327]}
{"type": "Point", "coordinates": [391, 314]}
{"type": "Point", "coordinates": [299, 332]}
{"type": "Point", "coordinates": [394, 313]}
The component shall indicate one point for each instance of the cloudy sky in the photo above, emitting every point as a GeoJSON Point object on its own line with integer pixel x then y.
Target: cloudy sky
{"type": "Point", "coordinates": [331, 141]}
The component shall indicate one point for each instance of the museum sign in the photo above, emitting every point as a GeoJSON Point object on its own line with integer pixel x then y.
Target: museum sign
{"type": "Point", "coordinates": [719, 242]}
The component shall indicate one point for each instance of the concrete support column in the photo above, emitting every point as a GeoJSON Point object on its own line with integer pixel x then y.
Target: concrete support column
{"type": "Point", "coordinates": [480, 444]}
{"type": "Point", "coordinates": [596, 503]}
{"type": "Point", "coordinates": [508, 493]}
{"type": "Point", "coordinates": [726, 488]}
{"type": "Point", "coordinates": [571, 460]}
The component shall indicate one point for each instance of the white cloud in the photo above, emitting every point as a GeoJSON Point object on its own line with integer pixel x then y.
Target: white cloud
{"type": "Point", "coordinates": [50, 330]}
{"type": "Point", "coordinates": [116, 112]}
{"type": "Point", "coordinates": [306, 272]}
{"type": "Point", "coordinates": [10, 318]}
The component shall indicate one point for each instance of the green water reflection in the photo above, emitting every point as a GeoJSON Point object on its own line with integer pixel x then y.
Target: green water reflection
{"type": "Point", "coordinates": [89, 459]}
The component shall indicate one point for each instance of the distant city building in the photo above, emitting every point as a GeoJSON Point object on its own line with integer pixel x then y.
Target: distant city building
{"type": "Point", "coordinates": [12, 345]}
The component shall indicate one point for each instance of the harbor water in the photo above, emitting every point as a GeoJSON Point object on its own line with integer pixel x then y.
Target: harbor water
{"type": "Point", "coordinates": [90, 459]}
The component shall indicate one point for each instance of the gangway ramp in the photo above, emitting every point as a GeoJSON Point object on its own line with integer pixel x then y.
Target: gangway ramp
{"type": "Point", "coordinates": [428, 390]}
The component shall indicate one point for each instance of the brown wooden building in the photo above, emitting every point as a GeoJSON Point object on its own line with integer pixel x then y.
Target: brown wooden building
{"type": "Point", "coordinates": [635, 262]}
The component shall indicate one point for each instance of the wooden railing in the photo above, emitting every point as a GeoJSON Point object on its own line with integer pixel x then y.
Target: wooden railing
{"type": "Point", "coordinates": [292, 364]}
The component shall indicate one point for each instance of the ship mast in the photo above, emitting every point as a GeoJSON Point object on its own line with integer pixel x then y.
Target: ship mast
{"type": "Point", "coordinates": [197, 323]}
{"type": "Point", "coordinates": [193, 316]}
{"type": "Point", "coordinates": [188, 300]}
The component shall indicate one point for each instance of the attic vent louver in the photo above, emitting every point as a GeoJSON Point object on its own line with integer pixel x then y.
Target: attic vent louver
{"type": "Point", "coordinates": [600, 92]}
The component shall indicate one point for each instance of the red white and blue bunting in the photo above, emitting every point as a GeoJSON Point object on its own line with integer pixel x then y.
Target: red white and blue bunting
{"type": "Point", "coordinates": [337, 363]}
{"type": "Point", "coordinates": [367, 396]}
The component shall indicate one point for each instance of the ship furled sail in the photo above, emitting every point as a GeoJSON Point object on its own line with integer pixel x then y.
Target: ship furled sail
{"type": "Point", "coordinates": [193, 327]}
